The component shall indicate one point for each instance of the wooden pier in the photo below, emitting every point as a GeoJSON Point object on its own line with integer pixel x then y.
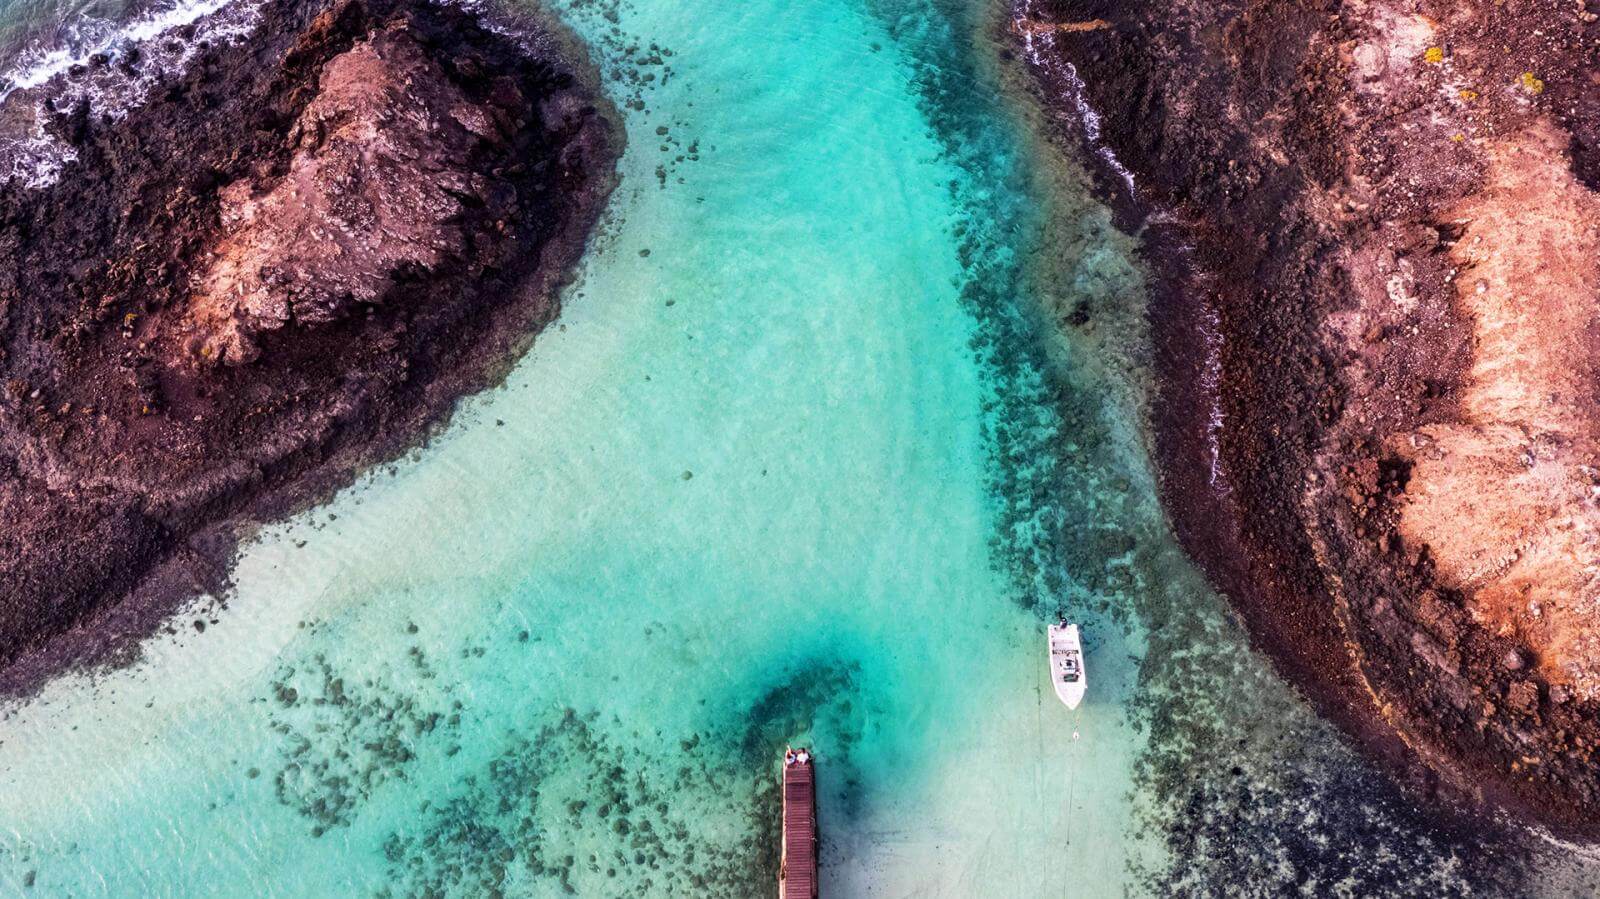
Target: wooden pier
{"type": "Point", "coordinates": [797, 872]}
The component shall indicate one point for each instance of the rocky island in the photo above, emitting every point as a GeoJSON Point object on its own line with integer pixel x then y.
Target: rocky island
{"type": "Point", "coordinates": [1373, 229]}
{"type": "Point", "coordinates": [281, 264]}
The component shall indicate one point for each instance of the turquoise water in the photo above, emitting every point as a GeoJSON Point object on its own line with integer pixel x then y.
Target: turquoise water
{"type": "Point", "coordinates": [738, 498]}
{"type": "Point", "coordinates": [808, 457]}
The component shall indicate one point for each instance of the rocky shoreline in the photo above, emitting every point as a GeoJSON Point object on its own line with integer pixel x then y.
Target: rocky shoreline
{"type": "Point", "coordinates": [283, 267]}
{"type": "Point", "coordinates": [1372, 231]}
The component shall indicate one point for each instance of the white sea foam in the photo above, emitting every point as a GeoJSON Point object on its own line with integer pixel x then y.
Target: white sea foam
{"type": "Point", "coordinates": [88, 36]}
{"type": "Point", "coordinates": [1040, 49]}
{"type": "Point", "coordinates": [34, 161]}
{"type": "Point", "coordinates": [1211, 383]}
{"type": "Point", "coordinates": [60, 71]}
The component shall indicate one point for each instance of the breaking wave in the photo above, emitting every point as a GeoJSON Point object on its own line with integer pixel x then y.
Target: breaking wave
{"type": "Point", "coordinates": [112, 66]}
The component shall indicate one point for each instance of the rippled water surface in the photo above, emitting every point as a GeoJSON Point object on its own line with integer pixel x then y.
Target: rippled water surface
{"type": "Point", "coordinates": [844, 401]}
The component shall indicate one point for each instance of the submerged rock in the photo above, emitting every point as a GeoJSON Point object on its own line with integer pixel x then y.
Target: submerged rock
{"type": "Point", "coordinates": [282, 265]}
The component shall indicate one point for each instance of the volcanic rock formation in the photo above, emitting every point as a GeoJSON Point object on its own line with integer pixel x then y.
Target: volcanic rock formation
{"type": "Point", "coordinates": [283, 266]}
{"type": "Point", "coordinates": [1377, 315]}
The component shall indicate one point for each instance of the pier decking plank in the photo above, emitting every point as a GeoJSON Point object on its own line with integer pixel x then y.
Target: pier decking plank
{"type": "Point", "coordinates": [797, 878]}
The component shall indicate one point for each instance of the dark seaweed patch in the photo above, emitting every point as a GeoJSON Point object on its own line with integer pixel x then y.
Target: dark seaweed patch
{"type": "Point", "coordinates": [575, 809]}
{"type": "Point", "coordinates": [816, 697]}
{"type": "Point", "coordinates": [1239, 797]}
{"type": "Point", "coordinates": [1259, 797]}
{"type": "Point", "coordinates": [571, 810]}
{"type": "Point", "coordinates": [791, 707]}
{"type": "Point", "coordinates": [343, 739]}
{"type": "Point", "coordinates": [1045, 423]}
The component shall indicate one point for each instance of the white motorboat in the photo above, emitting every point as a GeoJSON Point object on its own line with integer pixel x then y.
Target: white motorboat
{"type": "Point", "coordinates": [1066, 663]}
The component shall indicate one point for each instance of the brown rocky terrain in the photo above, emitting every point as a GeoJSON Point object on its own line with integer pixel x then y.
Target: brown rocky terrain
{"type": "Point", "coordinates": [1374, 230]}
{"type": "Point", "coordinates": [284, 266]}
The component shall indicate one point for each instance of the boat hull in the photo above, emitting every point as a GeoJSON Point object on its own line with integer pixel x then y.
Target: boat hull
{"type": "Point", "coordinates": [1067, 673]}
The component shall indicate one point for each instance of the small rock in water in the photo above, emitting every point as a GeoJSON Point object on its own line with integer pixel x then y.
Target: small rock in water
{"type": "Point", "coordinates": [687, 475]}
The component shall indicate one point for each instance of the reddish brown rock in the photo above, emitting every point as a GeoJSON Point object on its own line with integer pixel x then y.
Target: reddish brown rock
{"type": "Point", "coordinates": [284, 266]}
{"type": "Point", "coordinates": [377, 181]}
{"type": "Point", "coordinates": [1376, 315]}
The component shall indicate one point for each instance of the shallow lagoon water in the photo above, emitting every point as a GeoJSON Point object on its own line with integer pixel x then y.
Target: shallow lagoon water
{"type": "Point", "coordinates": [736, 498]}
{"type": "Point", "coordinates": [808, 458]}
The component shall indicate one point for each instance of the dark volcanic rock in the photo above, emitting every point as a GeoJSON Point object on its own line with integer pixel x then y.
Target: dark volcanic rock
{"type": "Point", "coordinates": [1376, 315]}
{"type": "Point", "coordinates": [283, 266]}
